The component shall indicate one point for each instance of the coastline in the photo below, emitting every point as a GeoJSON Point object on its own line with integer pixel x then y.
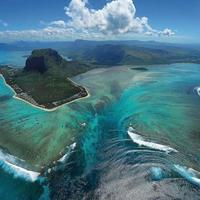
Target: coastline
{"type": "Point", "coordinates": [39, 107]}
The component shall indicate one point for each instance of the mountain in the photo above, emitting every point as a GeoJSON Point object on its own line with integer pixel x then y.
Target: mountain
{"type": "Point", "coordinates": [117, 54]}
{"type": "Point", "coordinates": [44, 81]}
{"type": "Point", "coordinates": [86, 44]}
{"type": "Point", "coordinates": [109, 53]}
{"type": "Point", "coordinates": [41, 60]}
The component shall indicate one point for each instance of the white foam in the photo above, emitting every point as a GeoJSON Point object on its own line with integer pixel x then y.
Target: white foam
{"type": "Point", "coordinates": [197, 89]}
{"type": "Point", "coordinates": [188, 173]}
{"type": "Point", "coordinates": [83, 124]}
{"type": "Point", "coordinates": [8, 164]}
{"type": "Point", "coordinates": [142, 142]}
{"type": "Point", "coordinates": [65, 157]}
{"type": "Point", "coordinates": [73, 146]}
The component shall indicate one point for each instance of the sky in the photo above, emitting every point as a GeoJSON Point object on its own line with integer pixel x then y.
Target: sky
{"type": "Point", "coordinates": [161, 20]}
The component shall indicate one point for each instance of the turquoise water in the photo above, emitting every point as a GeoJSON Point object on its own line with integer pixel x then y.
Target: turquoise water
{"type": "Point", "coordinates": [14, 58]}
{"type": "Point", "coordinates": [161, 105]}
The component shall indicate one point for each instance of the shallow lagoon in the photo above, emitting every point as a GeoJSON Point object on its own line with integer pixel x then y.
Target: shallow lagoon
{"type": "Point", "coordinates": [161, 104]}
{"type": "Point", "coordinates": [14, 58]}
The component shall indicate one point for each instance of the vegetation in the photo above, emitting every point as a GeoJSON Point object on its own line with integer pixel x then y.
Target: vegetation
{"type": "Point", "coordinates": [109, 53]}
{"type": "Point", "coordinates": [116, 54]}
{"type": "Point", "coordinates": [45, 78]}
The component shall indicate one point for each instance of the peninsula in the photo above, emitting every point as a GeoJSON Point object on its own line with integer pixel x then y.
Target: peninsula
{"type": "Point", "coordinates": [45, 80]}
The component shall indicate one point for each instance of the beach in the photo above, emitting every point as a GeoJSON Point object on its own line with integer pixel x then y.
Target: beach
{"type": "Point", "coordinates": [36, 105]}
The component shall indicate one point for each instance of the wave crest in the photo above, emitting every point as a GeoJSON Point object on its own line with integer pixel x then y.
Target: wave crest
{"type": "Point", "coordinates": [65, 157]}
{"type": "Point", "coordinates": [142, 142]}
{"type": "Point", "coordinates": [188, 173]}
{"type": "Point", "coordinates": [197, 89]}
{"type": "Point", "coordinates": [12, 165]}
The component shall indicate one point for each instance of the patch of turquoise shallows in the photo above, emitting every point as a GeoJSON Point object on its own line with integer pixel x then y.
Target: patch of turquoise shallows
{"type": "Point", "coordinates": [161, 104]}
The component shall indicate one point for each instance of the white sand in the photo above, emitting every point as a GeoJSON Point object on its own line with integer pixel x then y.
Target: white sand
{"type": "Point", "coordinates": [45, 109]}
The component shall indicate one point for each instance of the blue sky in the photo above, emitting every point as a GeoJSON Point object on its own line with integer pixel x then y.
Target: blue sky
{"type": "Point", "coordinates": [162, 20]}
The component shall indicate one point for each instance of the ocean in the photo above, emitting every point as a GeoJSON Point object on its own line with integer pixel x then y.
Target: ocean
{"type": "Point", "coordinates": [136, 137]}
{"type": "Point", "coordinates": [14, 58]}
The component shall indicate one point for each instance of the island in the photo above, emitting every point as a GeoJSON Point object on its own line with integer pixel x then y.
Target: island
{"type": "Point", "coordinates": [139, 69]}
{"type": "Point", "coordinates": [45, 80]}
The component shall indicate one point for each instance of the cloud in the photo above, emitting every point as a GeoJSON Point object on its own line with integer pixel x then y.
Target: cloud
{"type": "Point", "coordinates": [116, 19]}
{"type": "Point", "coordinates": [167, 32]}
{"type": "Point", "coordinates": [3, 23]}
{"type": "Point", "coordinates": [59, 23]}
{"type": "Point", "coordinates": [48, 33]}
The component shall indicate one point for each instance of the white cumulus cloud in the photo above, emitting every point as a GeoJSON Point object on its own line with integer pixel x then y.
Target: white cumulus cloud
{"type": "Point", "coordinates": [167, 32]}
{"type": "Point", "coordinates": [59, 23]}
{"type": "Point", "coordinates": [116, 17]}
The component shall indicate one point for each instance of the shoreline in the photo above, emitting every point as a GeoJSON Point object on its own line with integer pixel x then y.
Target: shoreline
{"type": "Point", "coordinates": [39, 107]}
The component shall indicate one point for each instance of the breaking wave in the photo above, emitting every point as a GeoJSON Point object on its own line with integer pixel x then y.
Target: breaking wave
{"type": "Point", "coordinates": [142, 142]}
{"type": "Point", "coordinates": [65, 157]}
{"type": "Point", "coordinates": [12, 165]}
{"type": "Point", "coordinates": [188, 173]}
{"type": "Point", "coordinates": [197, 89]}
